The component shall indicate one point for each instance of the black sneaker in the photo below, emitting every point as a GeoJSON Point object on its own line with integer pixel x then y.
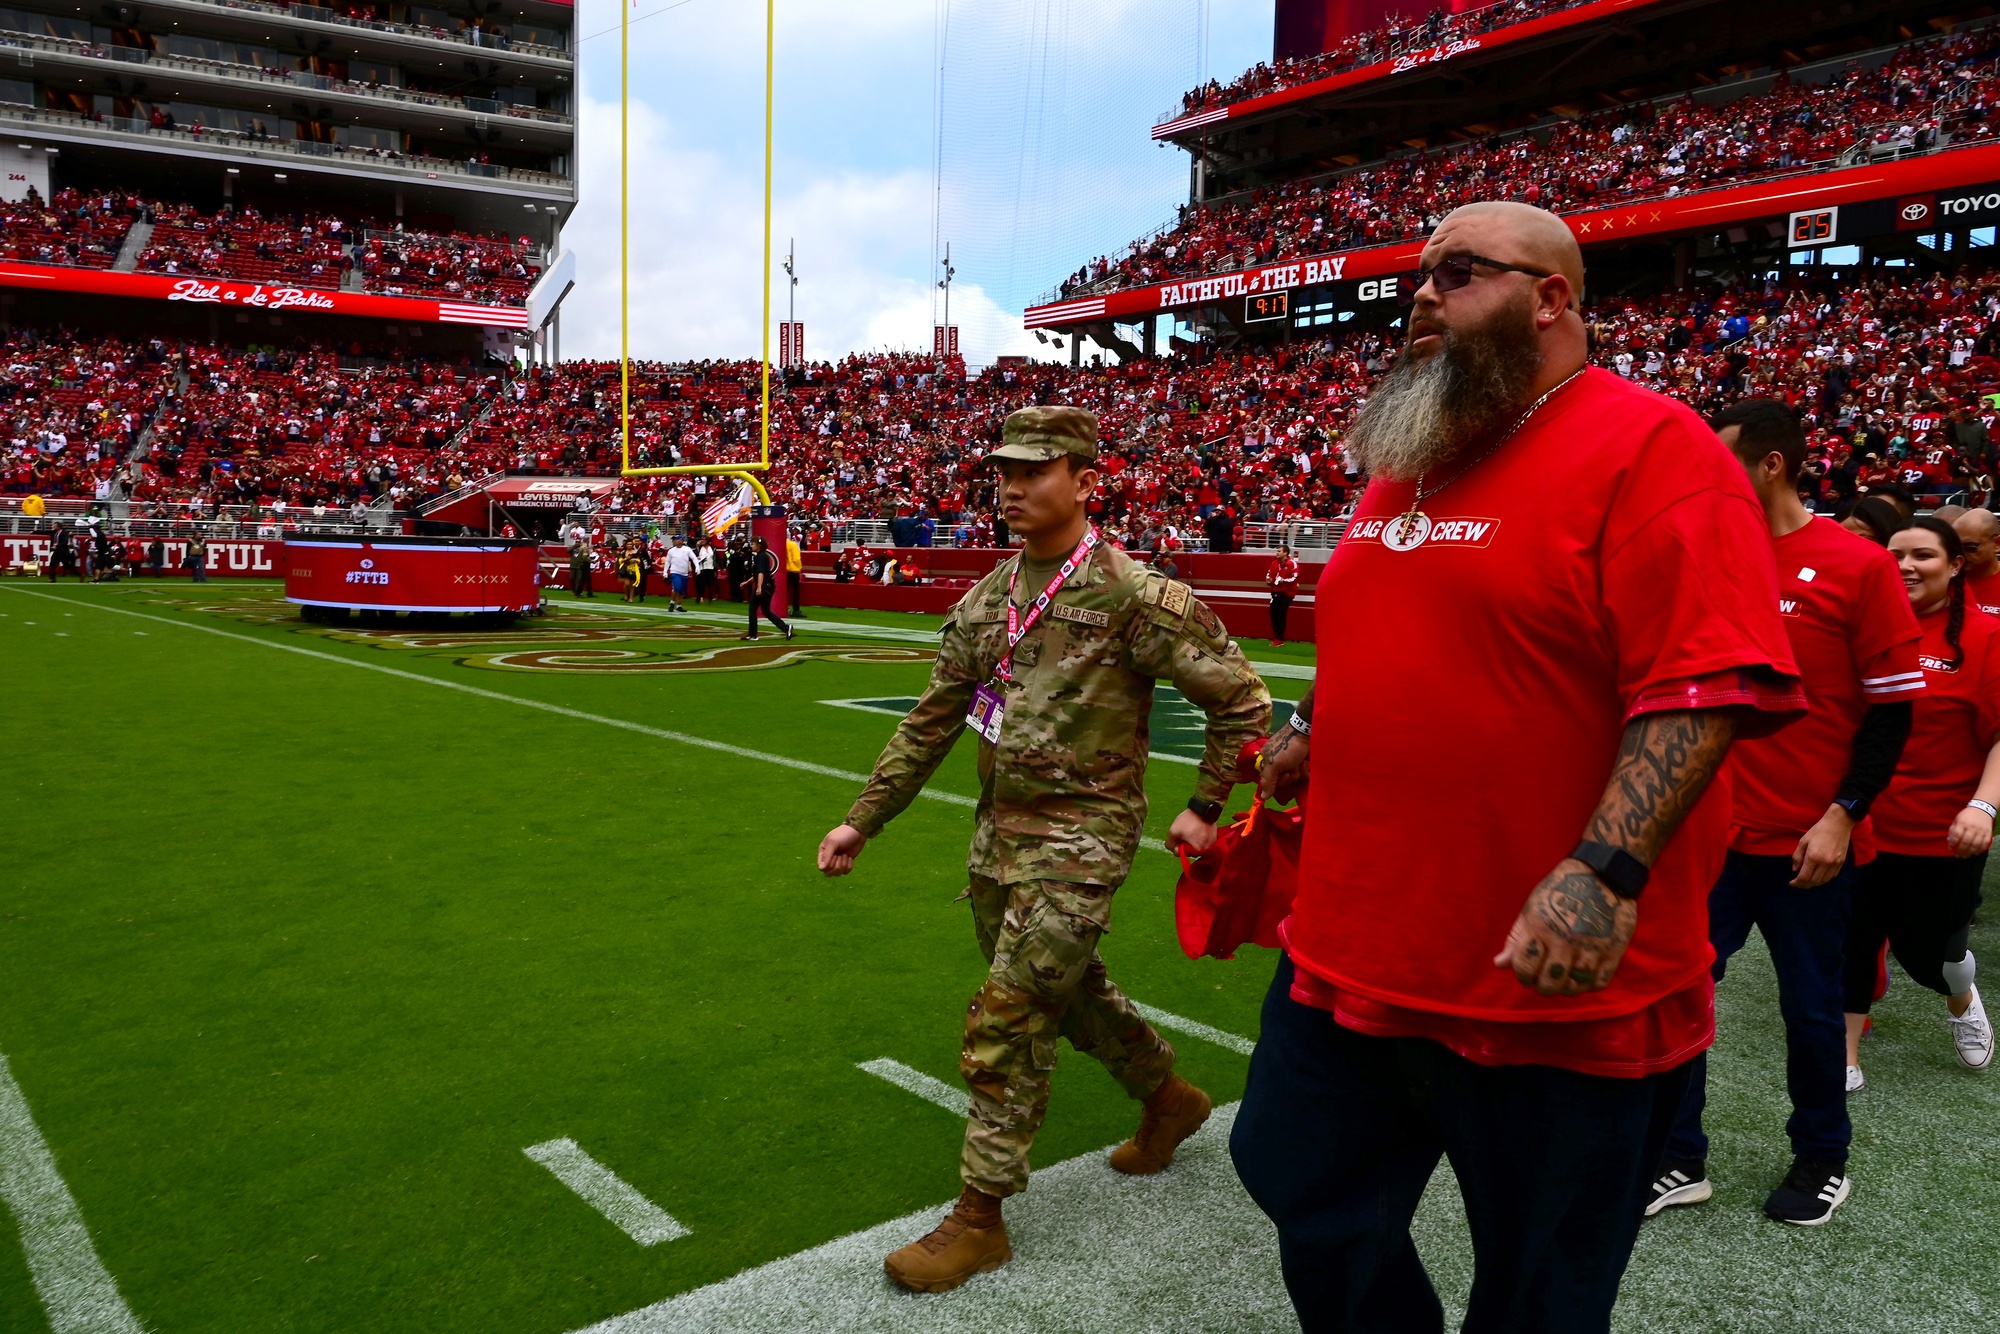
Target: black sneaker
{"type": "Point", "coordinates": [1681, 1181]}
{"type": "Point", "coordinates": [1810, 1193]}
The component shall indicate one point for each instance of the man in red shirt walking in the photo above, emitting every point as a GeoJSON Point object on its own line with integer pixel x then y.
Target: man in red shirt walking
{"type": "Point", "coordinates": [1798, 796]}
{"type": "Point", "coordinates": [1557, 611]}
{"type": "Point", "coordinates": [1283, 577]}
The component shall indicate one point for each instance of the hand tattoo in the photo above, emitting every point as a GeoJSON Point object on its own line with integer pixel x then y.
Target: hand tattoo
{"type": "Point", "coordinates": [1579, 907]}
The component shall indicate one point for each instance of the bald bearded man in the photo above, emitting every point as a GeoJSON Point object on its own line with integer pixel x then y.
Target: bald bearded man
{"type": "Point", "coordinates": [1558, 607]}
{"type": "Point", "coordinates": [1979, 531]}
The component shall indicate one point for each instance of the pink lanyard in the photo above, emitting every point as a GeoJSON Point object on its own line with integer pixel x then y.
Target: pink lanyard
{"type": "Point", "coordinates": [1017, 625]}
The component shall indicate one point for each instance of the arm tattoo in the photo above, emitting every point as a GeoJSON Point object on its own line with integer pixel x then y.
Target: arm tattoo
{"type": "Point", "coordinates": [1304, 709]}
{"type": "Point", "coordinates": [1665, 762]}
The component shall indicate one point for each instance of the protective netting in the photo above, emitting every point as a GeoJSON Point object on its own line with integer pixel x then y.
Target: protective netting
{"type": "Point", "coordinates": [1043, 152]}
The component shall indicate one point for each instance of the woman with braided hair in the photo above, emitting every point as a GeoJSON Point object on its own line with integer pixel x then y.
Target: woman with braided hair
{"type": "Point", "coordinates": [1934, 822]}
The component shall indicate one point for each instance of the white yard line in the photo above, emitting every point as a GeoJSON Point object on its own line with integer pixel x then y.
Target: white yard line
{"type": "Point", "coordinates": [79, 1295]}
{"type": "Point", "coordinates": [742, 752]}
{"type": "Point", "coordinates": [602, 1189]}
{"type": "Point", "coordinates": [683, 738]}
{"type": "Point", "coordinates": [1093, 1250]}
{"type": "Point", "coordinates": [862, 706]}
{"type": "Point", "coordinates": [953, 1100]}
{"type": "Point", "coordinates": [1194, 1028]}
{"type": "Point", "coordinates": [1283, 671]}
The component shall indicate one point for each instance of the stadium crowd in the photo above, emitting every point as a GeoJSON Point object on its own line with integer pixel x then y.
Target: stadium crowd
{"type": "Point", "coordinates": [87, 229]}
{"type": "Point", "coordinates": [1398, 37]}
{"type": "Point", "coordinates": [1934, 92]}
{"type": "Point", "coordinates": [76, 228]}
{"type": "Point", "coordinates": [1897, 378]}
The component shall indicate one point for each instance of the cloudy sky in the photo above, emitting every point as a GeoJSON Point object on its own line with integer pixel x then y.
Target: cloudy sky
{"type": "Point", "coordinates": [1045, 161]}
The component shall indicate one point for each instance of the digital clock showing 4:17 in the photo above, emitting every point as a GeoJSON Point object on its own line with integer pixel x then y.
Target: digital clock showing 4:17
{"type": "Point", "coordinates": [1262, 306]}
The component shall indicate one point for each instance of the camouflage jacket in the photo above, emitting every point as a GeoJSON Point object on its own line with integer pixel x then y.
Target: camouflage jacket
{"type": "Point", "coordinates": [1062, 796]}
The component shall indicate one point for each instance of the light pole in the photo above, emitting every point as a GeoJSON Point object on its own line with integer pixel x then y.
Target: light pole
{"type": "Point", "coordinates": [949, 274]}
{"type": "Point", "coordinates": [792, 302]}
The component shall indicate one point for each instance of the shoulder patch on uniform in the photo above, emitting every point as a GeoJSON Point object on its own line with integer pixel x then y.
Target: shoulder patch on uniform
{"type": "Point", "coordinates": [1174, 597]}
{"type": "Point", "coordinates": [1209, 622]}
{"type": "Point", "coordinates": [1062, 611]}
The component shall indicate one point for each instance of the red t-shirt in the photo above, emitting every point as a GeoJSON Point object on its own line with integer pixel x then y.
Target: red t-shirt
{"type": "Point", "coordinates": [1982, 593]}
{"type": "Point", "coordinates": [1478, 687]}
{"type": "Point", "coordinates": [1957, 719]}
{"type": "Point", "coordinates": [1855, 640]}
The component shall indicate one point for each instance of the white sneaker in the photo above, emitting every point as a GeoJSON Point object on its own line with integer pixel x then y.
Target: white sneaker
{"type": "Point", "coordinates": [1972, 1035]}
{"type": "Point", "coordinates": [1856, 1081]}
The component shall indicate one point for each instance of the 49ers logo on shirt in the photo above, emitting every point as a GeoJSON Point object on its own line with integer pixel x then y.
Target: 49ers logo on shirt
{"type": "Point", "coordinates": [1407, 532]}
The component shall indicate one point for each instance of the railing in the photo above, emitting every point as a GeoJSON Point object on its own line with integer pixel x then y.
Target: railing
{"type": "Point", "coordinates": [317, 14]}
{"type": "Point", "coordinates": [151, 518]}
{"type": "Point", "coordinates": [121, 126]}
{"type": "Point", "coordinates": [470, 488]}
{"type": "Point", "coordinates": [1112, 282]}
{"type": "Point", "coordinates": [259, 74]}
{"type": "Point", "coordinates": [1467, 23]}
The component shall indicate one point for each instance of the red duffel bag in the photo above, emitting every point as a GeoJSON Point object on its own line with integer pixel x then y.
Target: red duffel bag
{"type": "Point", "coordinates": [1242, 887]}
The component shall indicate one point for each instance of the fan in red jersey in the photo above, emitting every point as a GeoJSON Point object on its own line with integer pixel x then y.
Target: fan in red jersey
{"type": "Point", "coordinates": [1934, 822]}
{"type": "Point", "coordinates": [1799, 796]}
{"type": "Point", "coordinates": [1556, 610]}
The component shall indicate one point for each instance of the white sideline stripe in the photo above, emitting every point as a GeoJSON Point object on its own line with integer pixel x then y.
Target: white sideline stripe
{"type": "Point", "coordinates": [600, 1188]}
{"type": "Point", "coordinates": [1281, 671]}
{"type": "Point", "coordinates": [861, 707]}
{"type": "Point", "coordinates": [1194, 1028]}
{"type": "Point", "coordinates": [804, 766]}
{"type": "Point", "coordinates": [1093, 1250]}
{"type": "Point", "coordinates": [924, 1086]}
{"type": "Point", "coordinates": [79, 1295]}
{"type": "Point", "coordinates": [741, 752]}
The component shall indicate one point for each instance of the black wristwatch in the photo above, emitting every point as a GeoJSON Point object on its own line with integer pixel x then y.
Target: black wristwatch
{"type": "Point", "coordinates": [1210, 811]}
{"type": "Point", "coordinates": [1624, 874]}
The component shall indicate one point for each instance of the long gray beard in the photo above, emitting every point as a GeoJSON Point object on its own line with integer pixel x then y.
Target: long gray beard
{"type": "Point", "coordinates": [1426, 413]}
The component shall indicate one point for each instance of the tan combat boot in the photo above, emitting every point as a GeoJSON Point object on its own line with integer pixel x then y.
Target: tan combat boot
{"type": "Point", "coordinates": [1173, 1111]}
{"type": "Point", "coordinates": [972, 1241]}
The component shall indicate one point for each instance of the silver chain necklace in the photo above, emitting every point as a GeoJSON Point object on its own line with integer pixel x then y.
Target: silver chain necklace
{"type": "Point", "coordinates": [1408, 524]}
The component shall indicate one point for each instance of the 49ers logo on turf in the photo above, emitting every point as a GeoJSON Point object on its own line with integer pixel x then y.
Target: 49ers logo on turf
{"type": "Point", "coordinates": [1407, 532]}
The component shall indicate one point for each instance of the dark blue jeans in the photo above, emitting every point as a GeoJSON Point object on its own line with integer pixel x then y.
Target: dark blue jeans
{"type": "Point", "coordinates": [1339, 1134]}
{"type": "Point", "coordinates": [1806, 932]}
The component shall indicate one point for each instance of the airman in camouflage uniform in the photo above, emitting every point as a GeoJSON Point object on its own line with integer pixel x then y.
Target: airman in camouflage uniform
{"type": "Point", "coordinates": [1061, 808]}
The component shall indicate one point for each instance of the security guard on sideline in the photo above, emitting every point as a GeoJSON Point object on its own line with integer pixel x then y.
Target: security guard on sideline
{"type": "Point", "coordinates": [1052, 658]}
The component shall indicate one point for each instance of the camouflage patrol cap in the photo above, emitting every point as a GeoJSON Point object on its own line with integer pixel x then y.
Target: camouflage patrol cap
{"type": "Point", "coordinates": [1037, 435]}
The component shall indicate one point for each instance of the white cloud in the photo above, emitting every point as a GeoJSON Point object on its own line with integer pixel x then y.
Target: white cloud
{"type": "Point", "coordinates": [696, 252]}
{"type": "Point", "coordinates": [1047, 163]}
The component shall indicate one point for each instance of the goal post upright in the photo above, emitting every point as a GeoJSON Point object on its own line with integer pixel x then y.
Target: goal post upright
{"type": "Point", "coordinates": [746, 472]}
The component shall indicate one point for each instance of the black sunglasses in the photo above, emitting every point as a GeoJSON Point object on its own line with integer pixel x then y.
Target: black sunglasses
{"type": "Point", "coordinates": [1454, 273]}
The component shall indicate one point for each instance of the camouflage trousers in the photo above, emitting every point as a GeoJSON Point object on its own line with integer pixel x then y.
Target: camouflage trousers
{"type": "Point", "coordinates": [1045, 981]}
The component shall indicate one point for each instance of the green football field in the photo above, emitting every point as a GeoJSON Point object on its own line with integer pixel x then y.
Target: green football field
{"type": "Point", "coordinates": [427, 979]}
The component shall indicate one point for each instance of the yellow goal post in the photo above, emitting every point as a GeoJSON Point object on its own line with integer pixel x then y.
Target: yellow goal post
{"type": "Point", "coordinates": [746, 472]}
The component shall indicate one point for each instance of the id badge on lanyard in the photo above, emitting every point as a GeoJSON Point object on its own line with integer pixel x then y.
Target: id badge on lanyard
{"type": "Point", "coordinates": [989, 701]}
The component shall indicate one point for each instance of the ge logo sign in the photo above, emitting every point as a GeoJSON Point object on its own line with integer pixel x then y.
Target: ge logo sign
{"type": "Point", "coordinates": [1916, 212]}
{"type": "Point", "coordinates": [367, 564]}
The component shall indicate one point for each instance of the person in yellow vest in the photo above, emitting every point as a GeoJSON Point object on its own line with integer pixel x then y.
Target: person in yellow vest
{"type": "Point", "coordinates": [795, 565]}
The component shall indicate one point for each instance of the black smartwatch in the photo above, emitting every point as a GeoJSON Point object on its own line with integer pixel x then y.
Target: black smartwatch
{"type": "Point", "coordinates": [1210, 811]}
{"type": "Point", "coordinates": [1624, 874]}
